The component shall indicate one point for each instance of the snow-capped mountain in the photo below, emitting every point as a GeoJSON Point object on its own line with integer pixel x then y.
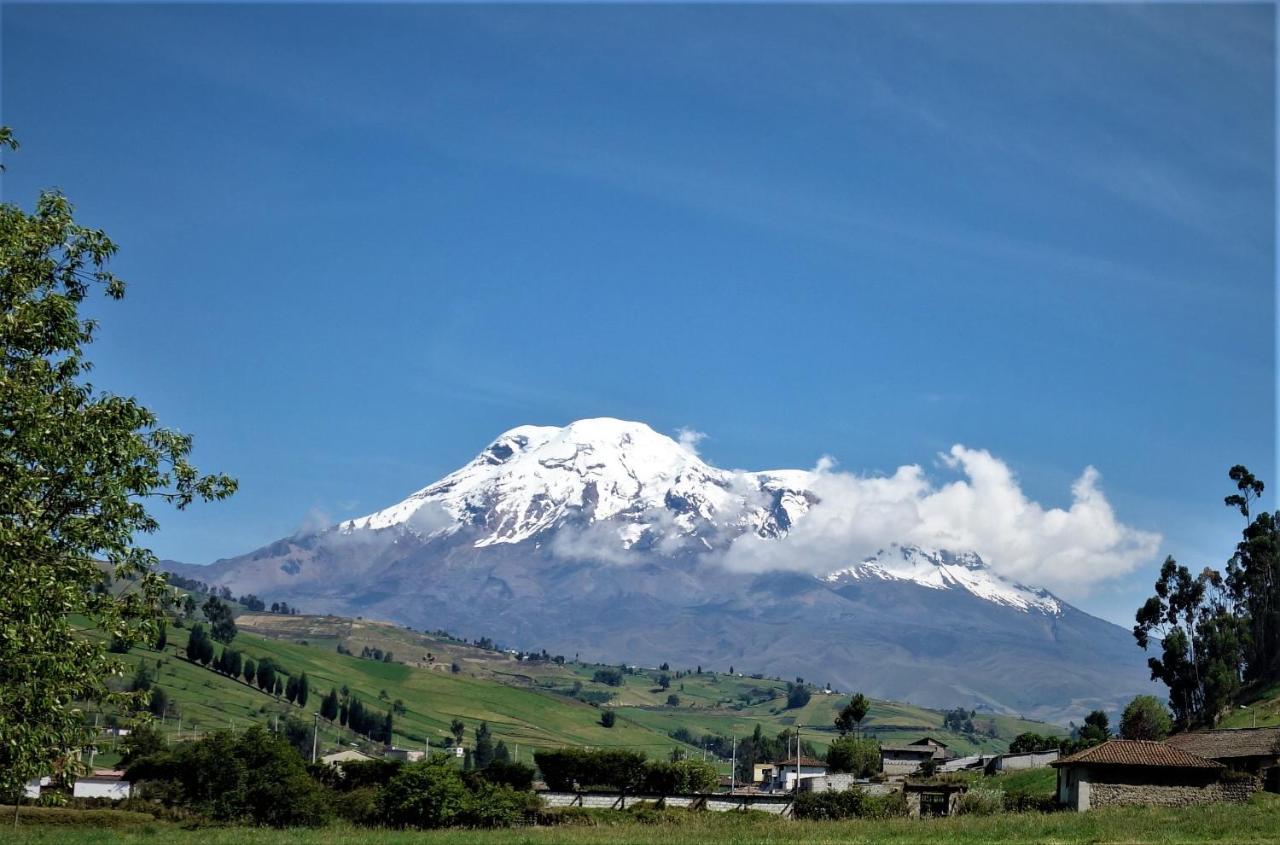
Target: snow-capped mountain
{"type": "Point", "coordinates": [533, 479]}
{"type": "Point", "coordinates": [605, 538]}
{"type": "Point", "coordinates": [943, 570]}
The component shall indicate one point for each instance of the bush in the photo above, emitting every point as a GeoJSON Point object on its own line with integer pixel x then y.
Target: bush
{"type": "Point", "coordinates": [67, 817]}
{"type": "Point", "coordinates": [356, 774]}
{"type": "Point", "coordinates": [981, 802]}
{"type": "Point", "coordinates": [253, 778]}
{"type": "Point", "coordinates": [684, 777]}
{"type": "Point", "coordinates": [505, 773]}
{"type": "Point", "coordinates": [427, 794]}
{"type": "Point", "coordinates": [497, 806]}
{"type": "Point", "coordinates": [577, 768]}
{"type": "Point", "coordinates": [860, 757]}
{"type": "Point", "coordinates": [358, 806]}
{"type": "Point", "coordinates": [849, 804]}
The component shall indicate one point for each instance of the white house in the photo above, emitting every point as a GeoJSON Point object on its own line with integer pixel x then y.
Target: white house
{"type": "Point", "coordinates": [349, 755]}
{"type": "Point", "coordinates": [406, 755]}
{"type": "Point", "coordinates": [33, 787]}
{"type": "Point", "coordinates": [781, 776]}
{"type": "Point", "coordinates": [103, 783]}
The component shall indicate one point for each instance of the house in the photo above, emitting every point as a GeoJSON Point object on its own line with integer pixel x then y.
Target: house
{"type": "Point", "coordinates": [904, 759]}
{"type": "Point", "coordinates": [939, 747]}
{"type": "Point", "coordinates": [758, 770]}
{"type": "Point", "coordinates": [404, 755]}
{"type": "Point", "coordinates": [349, 755]}
{"type": "Point", "coordinates": [102, 783]}
{"type": "Point", "coordinates": [1252, 750]}
{"type": "Point", "coordinates": [1018, 762]}
{"type": "Point", "coordinates": [782, 775]}
{"type": "Point", "coordinates": [1122, 771]}
{"type": "Point", "coordinates": [32, 787]}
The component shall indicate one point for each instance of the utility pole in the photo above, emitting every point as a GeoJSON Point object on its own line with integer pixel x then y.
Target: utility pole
{"type": "Point", "coordinates": [315, 737]}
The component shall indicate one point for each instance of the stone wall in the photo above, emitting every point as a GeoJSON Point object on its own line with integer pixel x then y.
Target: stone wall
{"type": "Point", "coordinates": [779, 805]}
{"type": "Point", "coordinates": [1103, 794]}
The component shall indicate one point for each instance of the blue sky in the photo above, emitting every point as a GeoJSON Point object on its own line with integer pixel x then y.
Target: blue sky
{"type": "Point", "coordinates": [364, 241]}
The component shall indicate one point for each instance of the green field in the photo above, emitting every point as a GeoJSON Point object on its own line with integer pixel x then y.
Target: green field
{"type": "Point", "coordinates": [1256, 822]}
{"type": "Point", "coordinates": [710, 701]}
{"type": "Point", "coordinates": [528, 704]}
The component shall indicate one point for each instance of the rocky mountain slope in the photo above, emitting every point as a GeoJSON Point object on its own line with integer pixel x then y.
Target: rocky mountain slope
{"type": "Point", "coordinates": [606, 539]}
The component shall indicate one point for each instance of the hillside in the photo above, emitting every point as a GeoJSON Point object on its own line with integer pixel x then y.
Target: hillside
{"type": "Point", "coordinates": [527, 703]}
{"type": "Point", "coordinates": [525, 718]}
{"type": "Point", "coordinates": [1258, 708]}
{"type": "Point", "coordinates": [607, 539]}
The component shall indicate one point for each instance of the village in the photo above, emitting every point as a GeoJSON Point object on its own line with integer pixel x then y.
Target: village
{"type": "Point", "coordinates": [1198, 767]}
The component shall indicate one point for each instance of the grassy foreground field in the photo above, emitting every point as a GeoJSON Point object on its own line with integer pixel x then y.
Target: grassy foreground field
{"type": "Point", "coordinates": [1257, 822]}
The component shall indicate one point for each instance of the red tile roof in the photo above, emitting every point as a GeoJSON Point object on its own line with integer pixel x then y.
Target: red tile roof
{"type": "Point", "coordinates": [1132, 752]}
{"type": "Point", "coordinates": [1224, 744]}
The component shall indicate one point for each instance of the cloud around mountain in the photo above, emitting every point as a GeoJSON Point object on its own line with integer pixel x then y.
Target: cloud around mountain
{"type": "Point", "coordinates": [1066, 550]}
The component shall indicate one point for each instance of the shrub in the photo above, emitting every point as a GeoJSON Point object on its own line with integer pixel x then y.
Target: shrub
{"type": "Point", "coordinates": [570, 768]}
{"type": "Point", "coordinates": [981, 802]}
{"type": "Point", "coordinates": [254, 777]}
{"type": "Point", "coordinates": [426, 794]}
{"type": "Point", "coordinates": [355, 774]}
{"type": "Point", "coordinates": [851, 803]}
{"type": "Point", "coordinates": [860, 757]}
{"type": "Point", "coordinates": [684, 777]}
{"type": "Point", "coordinates": [496, 806]}
{"type": "Point", "coordinates": [358, 806]}
{"type": "Point", "coordinates": [505, 773]}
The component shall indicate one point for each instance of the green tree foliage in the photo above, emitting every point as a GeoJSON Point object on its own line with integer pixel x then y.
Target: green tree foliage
{"type": "Point", "coordinates": [199, 646]}
{"type": "Point", "coordinates": [329, 705]}
{"type": "Point", "coordinates": [144, 740]}
{"type": "Point", "coordinates": [1201, 649]}
{"type": "Point", "coordinates": [798, 696]}
{"type": "Point", "coordinates": [222, 623]}
{"type": "Point", "coordinates": [304, 689]}
{"type": "Point", "coordinates": [608, 718]}
{"type": "Point", "coordinates": [673, 700]}
{"type": "Point", "coordinates": [424, 795]}
{"type": "Point", "coordinates": [611, 768]}
{"type": "Point", "coordinates": [1025, 743]}
{"type": "Point", "coordinates": [79, 469]}
{"type": "Point", "coordinates": [162, 634]}
{"type": "Point", "coordinates": [1217, 633]}
{"type": "Point", "coordinates": [850, 804]}
{"type": "Point", "coordinates": [507, 773]}
{"type": "Point", "coordinates": [482, 754]}
{"type": "Point", "coordinates": [1145, 718]}
{"type": "Point", "coordinates": [682, 777]}
{"type": "Point", "coordinates": [860, 757]}
{"type": "Point", "coordinates": [159, 702]}
{"type": "Point", "coordinates": [459, 730]}
{"type": "Point", "coordinates": [253, 778]}
{"type": "Point", "coordinates": [851, 715]}
{"type": "Point", "coordinates": [1096, 728]}
{"type": "Point", "coordinates": [250, 670]}
{"type": "Point", "coordinates": [609, 677]}
{"type": "Point", "coordinates": [1253, 579]}
{"type": "Point", "coordinates": [266, 676]}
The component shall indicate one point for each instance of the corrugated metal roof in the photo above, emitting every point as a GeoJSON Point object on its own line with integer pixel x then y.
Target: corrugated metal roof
{"type": "Point", "coordinates": [1133, 752]}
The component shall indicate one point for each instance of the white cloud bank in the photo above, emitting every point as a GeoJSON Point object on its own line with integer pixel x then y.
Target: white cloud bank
{"type": "Point", "coordinates": [1066, 550]}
